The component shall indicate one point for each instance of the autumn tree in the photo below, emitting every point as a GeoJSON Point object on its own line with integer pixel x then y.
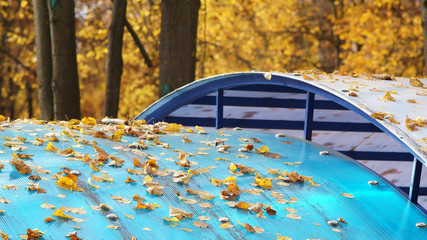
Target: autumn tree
{"type": "Point", "coordinates": [178, 40]}
{"type": "Point", "coordinates": [381, 36]}
{"type": "Point", "coordinates": [44, 58]}
{"type": "Point", "coordinates": [64, 62]}
{"type": "Point", "coordinates": [114, 58]}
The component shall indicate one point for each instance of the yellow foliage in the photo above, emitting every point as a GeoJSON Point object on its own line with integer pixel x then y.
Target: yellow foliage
{"type": "Point", "coordinates": [381, 36]}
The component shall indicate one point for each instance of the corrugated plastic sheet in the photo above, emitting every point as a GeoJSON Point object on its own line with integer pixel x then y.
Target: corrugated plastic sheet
{"type": "Point", "coordinates": [375, 212]}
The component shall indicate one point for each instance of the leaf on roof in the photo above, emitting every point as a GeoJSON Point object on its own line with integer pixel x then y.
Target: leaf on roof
{"type": "Point", "coordinates": [51, 148]}
{"type": "Point", "coordinates": [47, 206]}
{"type": "Point", "coordinates": [341, 220]}
{"type": "Point", "coordinates": [11, 187]}
{"type": "Point", "coordinates": [130, 180]}
{"type": "Point", "coordinates": [49, 219]}
{"type": "Point", "coordinates": [179, 213]}
{"type": "Point", "coordinates": [293, 216]}
{"type": "Point", "coordinates": [186, 140]}
{"type": "Point", "coordinates": [89, 121]}
{"type": "Point", "coordinates": [186, 229]}
{"type": "Point", "coordinates": [115, 227]}
{"type": "Point", "coordinates": [257, 208]}
{"type": "Point", "coordinates": [249, 228]}
{"type": "Point", "coordinates": [200, 224]}
{"type": "Point", "coordinates": [120, 199]}
{"type": "Point", "coordinates": [272, 171]}
{"type": "Point", "coordinates": [205, 195]}
{"type": "Point", "coordinates": [59, 213]}
{"type": "Point", "coordinates": [92, 185]}
{"type": "Point", "coordinates": [271, 155]}
{"type": "Point", "coordinates": [415, 82]}
{"type": "Point", "coordinates": [135, 171]}
{"type": "Point", "coordinates": [21, 167]}
{"type": "Point", "coordinates": [173, 127]}
{"type": "Point", "coordinates": [205, 205]}
{"type": "Point", "coordinates": [347, 195]}
{"type": "Point", "coordinates": [21, 156]}
{"type": "Point", "coordinates": [140, 205]}
{"type": "Point", "coordinates": [4, 200]}
{"type": "Point", "coordinates": [34, 234]}
{"type": "Point", "coordinates": [283, 238]}
{"type": "Point", "coordinates": [262, 182]}
{"type": "Point", "coordinates": [171, 219]}
{"type": "Point", "coordinates": [155, 190]}
{"type": "Point", "coordinates": [226, 225]}
{"type": "Point", "coordinates": [234, 189]}
{"type": "Point", "coordinates": [181, 177]}
{"type": "Point", "coordinates": [69, 182]}
{"type": "Point", "coordinates": [388, 97]}
{"type": "Point", "coordinates": [117, 135]}
{"type": "Point", "coordinates": [254, 191]}
{"type": "Point", "coordinates": [262, 149]}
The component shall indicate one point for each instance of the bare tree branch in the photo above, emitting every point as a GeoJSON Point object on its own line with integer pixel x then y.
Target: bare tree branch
{"type": "Point", "coordinates": [139, 44]}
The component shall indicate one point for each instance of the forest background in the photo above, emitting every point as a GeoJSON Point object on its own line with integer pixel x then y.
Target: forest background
{"type": "Point", "coordinates": [362, 36]}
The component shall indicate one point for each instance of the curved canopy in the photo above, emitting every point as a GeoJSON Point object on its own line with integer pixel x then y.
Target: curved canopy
{"type": "Point", "coordinates": [399, 105]}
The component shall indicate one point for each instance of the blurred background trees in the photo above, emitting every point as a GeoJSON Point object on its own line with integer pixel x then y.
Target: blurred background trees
{"type": "Point", "coordinates": [364, 36]}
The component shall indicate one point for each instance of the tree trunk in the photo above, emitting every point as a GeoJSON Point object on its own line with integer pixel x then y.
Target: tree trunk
{"type": "Point", "coordinates": [44, 58]}
{"type": "Point", "coordinates": [64, 63]}
{"type": "Point", "coordinates": [178, 38]}
{"type": "Point", "coordinates": [114, 59]}
{"type": "Point", "coordinates": [424, 24]}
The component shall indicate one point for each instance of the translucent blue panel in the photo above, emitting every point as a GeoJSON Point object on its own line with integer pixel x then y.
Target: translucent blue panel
{"type": "Point", "coordinates": [375, 212]}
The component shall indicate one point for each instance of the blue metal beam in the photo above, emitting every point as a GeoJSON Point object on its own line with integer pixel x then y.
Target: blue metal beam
{"type": "Point", "coordinates": [379, 156]}
{"type": "Point", "coordinates": [309, 110]}
{"type": "Point", "coordinates": [268, 102]}
{"type": "Point", "coordinates": [275, 124]}
{"type": "Point", "coordinates": [415, 181]}
{"type": "Point", "coordinates": [219, 109]}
